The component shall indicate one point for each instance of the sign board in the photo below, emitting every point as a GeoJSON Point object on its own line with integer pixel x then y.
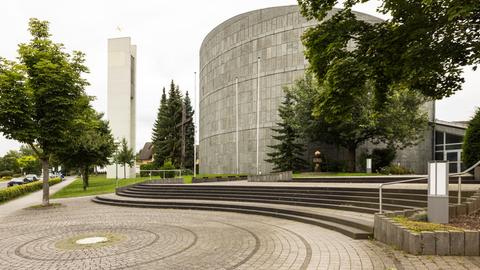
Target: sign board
{"type": "Point", "coordinates": [438, 192]}
{"type": "Point", "coordinates": [369, 165]}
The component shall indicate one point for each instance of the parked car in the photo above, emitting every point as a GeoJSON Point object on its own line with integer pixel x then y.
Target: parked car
{"type": "Point", "coordinates": [17, 181]}
{"type": "Point", "coordinates": [31, 177]}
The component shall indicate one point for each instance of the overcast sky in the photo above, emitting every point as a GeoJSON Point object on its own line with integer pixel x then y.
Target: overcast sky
{"type": "Point", "coordinates": [168, 35]}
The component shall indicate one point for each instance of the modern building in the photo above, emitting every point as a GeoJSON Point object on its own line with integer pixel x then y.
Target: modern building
{"type": "Point", "coordinates": [121, 97]}
{"type": "Point", "coordinates": [261, 50]}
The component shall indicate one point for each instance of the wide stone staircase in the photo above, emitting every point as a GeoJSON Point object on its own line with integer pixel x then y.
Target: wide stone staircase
{"type": "Point", "coordinates": [346, 210]}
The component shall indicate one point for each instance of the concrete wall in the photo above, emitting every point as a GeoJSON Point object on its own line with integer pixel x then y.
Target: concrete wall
{"type": "Point", "coordinates": [230, 51]}
{"type": "Point", "coordinates": [121, 97]}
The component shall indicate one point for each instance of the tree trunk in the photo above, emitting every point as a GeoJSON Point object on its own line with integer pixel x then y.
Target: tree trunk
{"type": "Point", "coordinates": [124, 170]}
{"type": "Point", "coordinates": [87, 173]}
{"type": "Point", "coordinates": [352, 156]}
{"type": "Point", "coordinates": [85, 177]}
{"type": "Point", "coordinates": [46, 190]}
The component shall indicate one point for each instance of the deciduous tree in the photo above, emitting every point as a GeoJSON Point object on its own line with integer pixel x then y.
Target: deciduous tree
{"type": "Point", "coordinates": [422, 47]}
{"type": "Point", "coordinates": [125, 156]}
{"type": "Point", "coordinates": [39, 95]}
{"type": "Point", "coordinates": [471, 142]}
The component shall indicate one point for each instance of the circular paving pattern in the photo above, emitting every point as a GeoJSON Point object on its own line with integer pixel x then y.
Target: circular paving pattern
{"type": "Point", "coordinates": [141, 238]}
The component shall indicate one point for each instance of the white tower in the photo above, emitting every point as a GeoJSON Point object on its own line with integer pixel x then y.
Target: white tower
{"type": "Point", "coordinates": [121, 97]}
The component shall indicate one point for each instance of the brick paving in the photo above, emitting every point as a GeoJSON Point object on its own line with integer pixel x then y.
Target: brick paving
{"type": "Point", "coordinates": [183, 239]}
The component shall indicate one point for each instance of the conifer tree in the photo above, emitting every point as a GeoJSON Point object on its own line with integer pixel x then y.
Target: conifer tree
{"type": "Point", "coordinates": [160, 133]}
{"type": "Point", "coordinates": [174, 111]}
{"type": "Point", "coordinates": [190, 133]}
{"type": "Point", "coordinates": [287, 153]}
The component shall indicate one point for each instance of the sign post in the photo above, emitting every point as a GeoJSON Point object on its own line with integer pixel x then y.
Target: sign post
{"type": "Point", "coordinates": [369, 165]}
{"type": "Point", "coordinates": [438, 192]}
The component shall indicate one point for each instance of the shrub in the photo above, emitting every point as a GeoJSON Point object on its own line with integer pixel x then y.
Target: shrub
{"type": "Point", "coordinates": [148, 166]}
{"type": "Point", "coordinates": [10, 193]}
{"type": "Point", "coordinates": [471, 141]}
{"type": "Point", "coordinates": [334, 166]}
{"type": "Point", "coordinates": [168, 165]}
{"type": "Point", "coordinates": [17, 175]}
{"type": "Point", "coordinates": [6, 173]}
{"type": "Point", "coordinates": [382, 157]}
{"type": "Point", "coordinates": [395, 169]}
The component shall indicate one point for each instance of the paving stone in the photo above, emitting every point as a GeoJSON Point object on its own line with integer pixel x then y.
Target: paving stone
{"type": "Point", "coordinates": [185, 239]}
{"type": "Point", "coordinates": [415, 243]}
{"type": "Point", "coordinates": [457, 243]}
{"type": "Point", "coordinates": [428, 243]}
{"type": "Point", "coordinates": [442, 243]}
{"type": "Point", "coordinates": [399, 237]}
{"type": "Point", "coordinates": [472, 242]}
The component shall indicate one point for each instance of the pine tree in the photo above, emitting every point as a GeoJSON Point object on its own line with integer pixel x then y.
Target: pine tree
{"type": "Point", "coordinates": [160, 133]}
{"type": "Point", "coordinates": [173, 126]}
{"type": "Point", "coordinates": [190, 133]}
{"type": "Point", "coordinates": [287, 153]}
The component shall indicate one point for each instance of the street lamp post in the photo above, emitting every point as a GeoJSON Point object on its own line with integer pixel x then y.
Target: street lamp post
{"type": "Point", "coordinates": [258, 109]}
{"type": "Point", "coordinates": [194, 128]}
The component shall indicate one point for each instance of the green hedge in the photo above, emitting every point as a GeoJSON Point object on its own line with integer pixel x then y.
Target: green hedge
{"type": "Point", "coordinates": [10, 193]}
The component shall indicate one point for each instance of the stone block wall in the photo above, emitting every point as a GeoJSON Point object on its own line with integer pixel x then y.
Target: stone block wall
{"type": "Point", "coordinates": [442, 243]}
{"type": "Point", "coordinates": [273, 177]}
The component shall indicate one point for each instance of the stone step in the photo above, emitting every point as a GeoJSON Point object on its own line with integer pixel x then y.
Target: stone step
{"type": "Point", "coordinates": [283, 196]}
{"type": "Point", "coordinates": [373, 179]}
{"type": "Point", "coordinates": [289, 189]}
{"type": "Point", "coordinates": [357, 228]}
{"type": "Point", "coordinates": [319, 193]}
{"type": "Point", "coordinates": [356, 206]}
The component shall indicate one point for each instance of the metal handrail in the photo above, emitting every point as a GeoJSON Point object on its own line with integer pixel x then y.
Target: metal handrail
{"type": "Point", "coordinates": [460, 174]}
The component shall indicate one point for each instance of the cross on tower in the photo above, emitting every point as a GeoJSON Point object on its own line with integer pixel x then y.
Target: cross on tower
{"type": "Point", "coordinates": [182, 125]}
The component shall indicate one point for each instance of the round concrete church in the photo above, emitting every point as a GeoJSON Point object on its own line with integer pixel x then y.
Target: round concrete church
{"type": "Point", "coordinates": [249, 57]}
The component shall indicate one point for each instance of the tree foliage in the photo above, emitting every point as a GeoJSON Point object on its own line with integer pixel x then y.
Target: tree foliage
{"type": "Point", "coordinates": [160, 133]}
{"type": "Point", "coordinates": [471, 141]}
{"type": "Point", "coordinates": [167, 130]}
{"type": "Point", "coordinates": [423, 47]}
{"type": "Point", "coordinates": [125, 156]}
{"type": "Point", "coordinates": [92, 144]}
{"type": "Point", "coordinates": [189, 133]}
{"type": "Point", "coordinates": [343, 113]}
{"type": "Point", "coordinates": [39, 95]}
{"type": "Point", "coordinates": [287, 154]}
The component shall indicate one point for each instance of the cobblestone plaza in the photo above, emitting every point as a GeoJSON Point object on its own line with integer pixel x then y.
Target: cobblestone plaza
{"type": "Point", "coordinates": [176, 239]}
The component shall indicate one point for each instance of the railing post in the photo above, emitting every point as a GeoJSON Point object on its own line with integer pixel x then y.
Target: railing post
{"type": "Point", "coordinates": [150, 175]}
{"type": "Point", "coordinates": [459, 190]}
{"type": "Point", "coordinates": [380, 198]}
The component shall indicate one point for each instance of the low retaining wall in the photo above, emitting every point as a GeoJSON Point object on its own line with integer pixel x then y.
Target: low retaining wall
{"type": "Point", "coordinates": [218, 179]}
{"type": "Point", "coordinates": [455, 243]}
{"type": "Point", "coordinates": [165, 181]}
{"type": "Point", "coordinates": [273, 177]}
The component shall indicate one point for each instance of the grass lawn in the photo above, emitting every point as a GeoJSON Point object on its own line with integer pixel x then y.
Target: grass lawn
{"type": "Point", "coordinates": [102, 185]}
{"type": "Point", "coordinates": [327, 174]}
{"type": "Point", "coordinates": [98, 185]}
{"type": "Point", "coordinates": [421, 226]}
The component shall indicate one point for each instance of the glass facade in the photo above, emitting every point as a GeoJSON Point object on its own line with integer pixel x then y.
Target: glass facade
{"type": "Point", "coordinates": [449, 147]}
